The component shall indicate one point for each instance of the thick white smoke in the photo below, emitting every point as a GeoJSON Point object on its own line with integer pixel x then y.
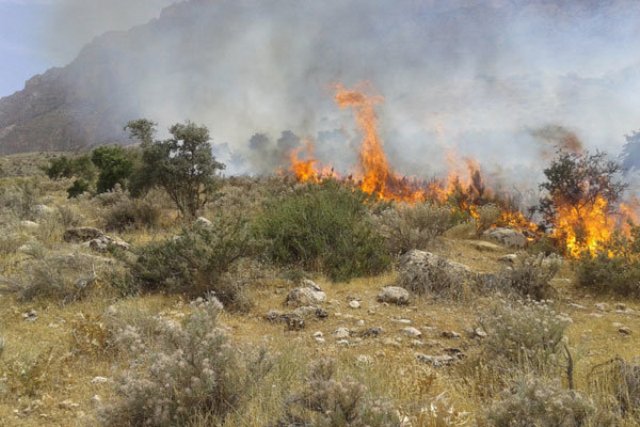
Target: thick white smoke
{"type": "Point", "coordinates": [476, 77]}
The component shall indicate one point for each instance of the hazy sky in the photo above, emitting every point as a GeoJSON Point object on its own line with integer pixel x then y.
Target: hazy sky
{"type": "Point", "coordinates": [38, 34]}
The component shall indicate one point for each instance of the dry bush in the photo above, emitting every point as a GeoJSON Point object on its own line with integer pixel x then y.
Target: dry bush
{"type": "Point", "coordinates": [25, 376]}
{"type": "Point", "coordinates": [327, 402]}
{"type": "Point", "coordinates": [62, 278]}
{"type": "Point", "coordinates": [616, 384]}
{"type": "Point", "coordinates": [20, 198]}
{"type": "Point", "coordinates": [407, 227]}
{"type": "Point", "coordinates": [538, 402]}
{"type": "Point", "coordinates": [530, 277]}
{"type": "Point", "coordinates": [524, 334]}
{"type": "Point", "coordinates": [132, 214]}
{"type": "Point", "coordinates": [190, 372]}
{"type": "Point", "coordinates": [488, 215]}
{"type": "Point", "coordinates": [426, 273]}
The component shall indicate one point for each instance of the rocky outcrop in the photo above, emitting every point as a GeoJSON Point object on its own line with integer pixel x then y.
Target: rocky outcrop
{"type": "Point", "coordinates": [507, 236]}
{"type": "Point", "coordinates": [423, 272]}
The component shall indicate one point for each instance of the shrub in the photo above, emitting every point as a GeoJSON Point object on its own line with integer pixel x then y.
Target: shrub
{"type": "Point", "coordinates": [426, 273]}
{"type": "Point", "coordinates": [540, 403]}
{"type": "Point", "coordinates": [326, 228]}
{"type": "Point", "coordinates": [525, 334]}
{"type": "Point", "coordinates": [115, 165]}
{"type": "Point", "coordinates": [327, 402]}
{"type": "Point", "coordinates": [195, 262]}
{"type": "Point", "coordinates": [64, 278]}
{"type": "Point", "coordinates": [132, 213]}
{"type": "Point", "coordinates": [618, 274]}
{"type": "Point", "coordinates": [407, 227]}
{"type": "Point", "coordinates": [488, 215]}
{"type": "Point", "coordinates": [530, 277]}
{"type": "Point", "coordinates": [193, 373]}
{"type": "Point", "coordinates": [64, 167]}
{"type": "Point", "coordinates": [79, 187]}
{"type": "Point", "coordinates": [20, 199]}
{"type": "Point", "coordinates": [25, 376]}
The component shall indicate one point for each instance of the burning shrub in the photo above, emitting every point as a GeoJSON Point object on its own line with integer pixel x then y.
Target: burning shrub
{"type": "Point", "coordinates": [487, 216]}
{"type": "Point", "coordinates": [527, 333]}
{"type": "Point", "coordinates": [542, 403]}
{"type": "Point", "coordinates": [195, 262]}
{"type": "Point", "coordinates": [582, 192]}
{"type": "Point", "coordinates": [407, 227]}
{"type": "Point", "coordinates": [325, 401]}
{"type": "Point", "coordinates": [324, 227]}
{"type": "Point", "coordinates": [193, 373]}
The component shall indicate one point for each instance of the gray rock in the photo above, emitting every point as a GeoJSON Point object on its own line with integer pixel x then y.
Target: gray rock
{"type": "Point", "coordinates": [343, 342]}
{"type": "Point", "coordinates": [43, 210]}
{"type": "Point", "coordinates": [372, 332]}
{"type": "Point", "coordinates": [450, 334]}
{"type": "Point", "coordinates": [99, 380]}
{"type": "Point", "coordinates": [29, 225]}
{"type": "Point", "coordinates": [509, 259]}
{"type": "Point", "coordinates": [412, 332]}
{"type": "Point", "coordinates": [354, 304]}
{"type": "Point", "coordinates": [202, 222]}
{"type": "Point", "coordinates": [394, 295]}
{"type": "Point", "coordinates": [484, 246]}
{"type": "Point", "coordinates": [81, 234]}
{"type": "Point", "coordinates": [602, 306]}
{"type": "Point", "coordinates": [341, 333]}
{"type": "Point", "coordinates": [625, 330]}
{"type": "Point", "coordinates": [30, 316]}
{"type": "Point", "coordinates": [107, 243]}
{"type": "Point", "coordinates": [507, 236]}
{"type": "Point", "coordinates": [308, 295]}
{"type": "Point", "coordinates": [363, 359]}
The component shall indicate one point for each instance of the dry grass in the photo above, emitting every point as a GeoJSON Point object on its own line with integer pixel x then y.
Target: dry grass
{"type": "Point", "coordinates": [51, 362]}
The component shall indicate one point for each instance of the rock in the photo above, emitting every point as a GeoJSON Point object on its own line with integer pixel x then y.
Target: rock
{"type": "Point", "coordinates": [508, 259]}
{"type": "Point", "coordinates": [402, 321]}
{"type": "Point", "coordinates": [342, 333]}
{"type": "Point", "coordinates": [412, 332]}
{"type": "Point", "coordinates": [363, 359]}
{"type": "Point", "coordinates": [310, 311]}
{"type": "Point", "coordinates": [354, 304]}
{"type": "Point", "coordinates": [417, 343]}
{"type": "Point", "coordinates": [202, 222]}
{"type": "Point", "coordinates": [107, 243]}
{"type": "Point", "coordinates": [390, 342]}
{"type": "Point", "coordinates": [479, 333]}
{"type": "Point", "coordinates": [360, 323]}
{"type": "Point", "coordinates": [450, 334]}
{"type": "Point", "coordinates": [30, 316]}
{"type": "Point", "coordinates": [318, 334]}
{"type": "Point", "coordinates": [43, 210]}
{"type": "Point", "coordinates": [424, 272]}
{"type": "Point", "coordinates": [394, 295]}
{"type": "Point", "coordinates": [309, 294]}
{"type": "Point", "coordinates": [484, 246]}
{"type": "Point", "coordinates": [30, 225]}
{"type": "Point", "coordinates": [99, 380]}
{"type": "Point", "coordinates": [342, 342]}
{"type": "Point", "coordinates": [294, 323]}
{"type": "Point", "coordinates": [81, 234]}
{"type": "Point", "coordinates": [435, 361]}
{"type": "Point", "coordinates": [577, 306]}
{"type": "Point", "coordinates": [624, 330]}
{"type": "Point", "coordinates": [96, 400]}
{"type": "Point", "coordinates": [274, 316]}
{"type": "Point", "coordinates": [601, 306]}
{"type": "Point", "coordinates": [507, 236]}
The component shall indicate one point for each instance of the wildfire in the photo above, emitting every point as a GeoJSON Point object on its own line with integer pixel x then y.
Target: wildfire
{"type": "Point", "coordinates": [579, 227]}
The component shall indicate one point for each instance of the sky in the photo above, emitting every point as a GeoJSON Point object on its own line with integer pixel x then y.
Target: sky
{"type": "Point", "coordinates": [36, 35]}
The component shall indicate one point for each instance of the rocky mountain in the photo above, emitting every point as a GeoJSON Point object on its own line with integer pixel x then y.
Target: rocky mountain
{"type": "Point", "coordinates": [477, 71]}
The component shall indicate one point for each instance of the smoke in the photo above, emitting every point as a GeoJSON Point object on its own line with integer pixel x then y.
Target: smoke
{"type": "Point", "coordinates": [461, 76]}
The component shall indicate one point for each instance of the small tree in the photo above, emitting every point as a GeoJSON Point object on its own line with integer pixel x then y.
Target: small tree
{"type": "Point", "coordinates": [183, 165]}
{"type": "Point", "coordinates": [115, 165]}
{"type": "Point", "coordinates": [579, 181]}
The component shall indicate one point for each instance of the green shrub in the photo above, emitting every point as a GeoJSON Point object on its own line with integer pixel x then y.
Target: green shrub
{"type": "Point", "coordinates": [407, 227]}
{"type": "Point", "coordinates": [324, 228]}
{"type": "Point", "coordinates": [327, 402]}
{"type": "Point", "coordinates": [195, 262]}
{"type": "Point", "coordinates": [78, 187]}
{"type": "Point", "coordinates": [192, 373]}
{"type": "Point", "coordinates": [64, 167]}
{"type": "Point", "coordinates": [530, 277]}
{"type": "Point", "coordinates": [115, 165]}
{"type": "Point", "coordinates": [536, 402]}
{"type": "Point", "coordinates": [618, 274]}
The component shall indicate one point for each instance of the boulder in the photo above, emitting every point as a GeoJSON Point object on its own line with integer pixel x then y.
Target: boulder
{"type": "Point", "coordinates": [507, 236]}
{"type": "Point", "coordinates": [423, 272]}
{"type": "Point", "coordinates": [394, 295]}
{"type": "Point", "coordinates": [202, 222]}
{"type": "Point", "coordinates": [107, 243]}
{"type": "Point", "coordinates": [82, 234]}
{"type": "Point", "coordinates": [29, 225]}
{"type": "Point", "coordinates": [307, 295]}
{"type": "Point", "coordinates": [508, 259]}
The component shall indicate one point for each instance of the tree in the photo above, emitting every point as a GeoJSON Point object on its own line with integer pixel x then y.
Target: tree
{"type": "Point", "coordinates": [115, 166]}
{"type": "Point", "coordinates": [579, 180]}
{"type": "Point", "coordinates": [182, 165]}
